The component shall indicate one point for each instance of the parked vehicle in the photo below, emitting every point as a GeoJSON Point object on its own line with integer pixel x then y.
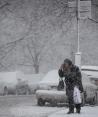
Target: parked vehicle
{"type": "Point", "coordinates": [7, 88]}
{"type": "Point", "coordinates": [7, 83]}
{"type": "Point", "coordinates": [48, 92]}
{"type": "Point", "coordinates": [18, 83]}
{"type": "Point", "coordinates": [22, 87]}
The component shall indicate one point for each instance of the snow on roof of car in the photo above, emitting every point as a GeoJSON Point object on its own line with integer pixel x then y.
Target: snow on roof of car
{"type": "Point", "coordinates": [90, 71]}
{"type": "Point", "coordinates": [8, 77]}
{"type": "Point", "coordinates": [32, 78]}
{"type": "Point", "coordinates": [51, 92]}
{"type": "Point", "coordinates": [12, 77]}
{"type": "Point", "coordinates": [88, 67]}
{"type": "Point", "coordinates": [52, 78]}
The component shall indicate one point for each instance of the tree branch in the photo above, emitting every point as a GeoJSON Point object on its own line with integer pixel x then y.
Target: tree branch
{"type": "Point", "coordinates": [3, 5]}
{"type": "Point", "coordinates": [30, 53]}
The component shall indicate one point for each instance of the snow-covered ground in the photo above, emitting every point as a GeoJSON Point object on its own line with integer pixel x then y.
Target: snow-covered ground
{"type": "Point", "coordinates": [35, 111]}
{"type": "Point", "coordinates": [26, 106]}
{"type": "Point", "coordinates": [85, 112]}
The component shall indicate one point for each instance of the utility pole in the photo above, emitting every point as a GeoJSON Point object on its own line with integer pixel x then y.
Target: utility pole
{"type": "Point", "coordinates": [78, 23]}
{"type": "Point", "coordinates": [78, 54]}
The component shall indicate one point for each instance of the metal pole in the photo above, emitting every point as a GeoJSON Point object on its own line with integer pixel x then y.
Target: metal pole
{"type": "Point", "coordinates": [78, 54]}
{"type": "Point", "coordinates": [78, 26]}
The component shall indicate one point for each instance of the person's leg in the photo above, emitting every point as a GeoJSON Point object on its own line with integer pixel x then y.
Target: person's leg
{"type": "Point", "coordinates": [78, 108]}
{"type": "Point", "coordinates": [71, 102]}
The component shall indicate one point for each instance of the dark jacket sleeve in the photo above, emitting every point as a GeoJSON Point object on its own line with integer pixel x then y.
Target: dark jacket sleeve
{"type": "Point", "coordinates": [79, 79]}
{"type": "Point", "coordinates": [61, 73]}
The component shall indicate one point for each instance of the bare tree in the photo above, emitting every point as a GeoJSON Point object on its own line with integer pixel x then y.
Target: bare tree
{"type": "Point", "coordinates": [42, 23]}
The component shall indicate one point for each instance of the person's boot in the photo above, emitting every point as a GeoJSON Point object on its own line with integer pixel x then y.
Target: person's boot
{"type": "Point", "coordinates": [71, 110]}
{"type": "Point", "coordinates": [78, 108]}
{"type": "Point", "coordinates": [78, 111]}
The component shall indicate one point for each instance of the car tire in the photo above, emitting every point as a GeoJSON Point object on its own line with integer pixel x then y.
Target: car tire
{"type": "Point", "coordinates": [53, 103]}
{"type": "Point", "coordinates": [40, 102]}
{"type": "Point", "coordinates": [28, 91]}
{"type": "Point", "coordinates": [93, 101]}
{"type": "Point", "coordinates": [16, 92]}
{"type": "Point", "coordinates": [83, 101]}
{"type": "Point", "coordinates": [5, 91]}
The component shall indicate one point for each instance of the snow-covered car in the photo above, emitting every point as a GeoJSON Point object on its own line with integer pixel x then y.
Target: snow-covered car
{"type": "Point", "coordinates": [18, 83]}
{"type": "Point", "coordinates": [8, 83]}
{"type": "Point", "coordinates": [32, 80]}
{"type": "Point", "coordinates": [7, 88]}
{"type": "Point", "coordinates": [51, 96]}
{"type": "Point", "coordinates": [48, 90]}
{"type": "Point", "coordinates": [22, 87]}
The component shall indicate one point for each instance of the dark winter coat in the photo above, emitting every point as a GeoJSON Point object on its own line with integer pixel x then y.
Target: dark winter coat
{"type": "Point", "coordinates": [74, 78]}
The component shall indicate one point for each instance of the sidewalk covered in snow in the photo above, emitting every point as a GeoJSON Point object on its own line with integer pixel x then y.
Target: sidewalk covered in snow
{"type": "Point", "coordinates": [36, 111]}
{"type": "Point", "coordinates": [85, 112]}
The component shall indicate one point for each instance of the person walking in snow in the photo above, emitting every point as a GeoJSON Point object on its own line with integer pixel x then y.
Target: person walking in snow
{"type": "Point", "coordinates": [73, 78]}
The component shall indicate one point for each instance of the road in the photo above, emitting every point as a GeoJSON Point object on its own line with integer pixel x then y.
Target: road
{"type": "Point", "coordinates": [25, 106]}
{"type": "Point", "coordinates": [7, 103]}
